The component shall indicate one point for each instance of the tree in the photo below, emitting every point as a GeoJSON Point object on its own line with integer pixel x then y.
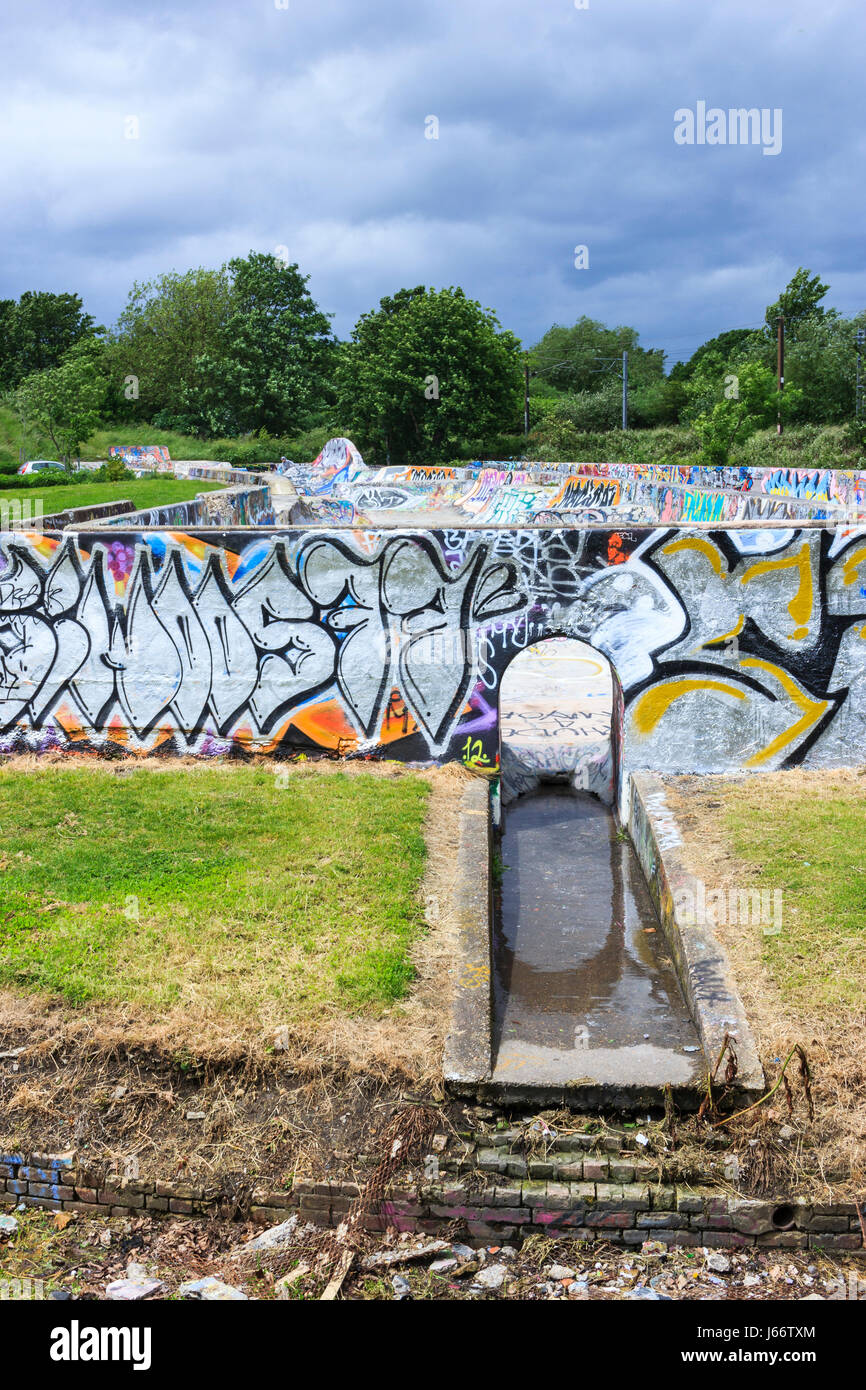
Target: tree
{"type": "Point", "coordinates": [67, 402]}
{"type": "Point", "coordinates": [799, 303]}
{"type": "Point", "coordinates": [269, 369]}
{"type": "Point", "coordinates": [168, 326]}
{"type": "Point", "coordinates": [36, 331]}
{"type": "Point", "coordinates": [568, 358]}
{"type": "Point", "coordinates": [730, 405]}
{"type": "Point", "coordinates": [427, 374]}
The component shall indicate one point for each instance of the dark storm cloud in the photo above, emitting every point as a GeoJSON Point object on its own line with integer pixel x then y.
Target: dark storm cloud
{"type": "Point", "coordinates": [305, 127]}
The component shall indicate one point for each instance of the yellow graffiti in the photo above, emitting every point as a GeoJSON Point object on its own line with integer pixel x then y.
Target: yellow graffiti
{"type": "Point", "coordinates": [726, 636]}
{"type": "Point", "coordinates": [473, 753]}
{"type": "Point", "coordinates": [852, 564]}
{"type": "Point", "coordinates": [706, 548]}
{"type": "Point", "coordinates": [655, 702]}
{"type": "Point", "coordinates": [474, 976]}
{"type": "Point", "coordinates": [812, 710]}
{"type": "Point", "coordinates": [800, 607]}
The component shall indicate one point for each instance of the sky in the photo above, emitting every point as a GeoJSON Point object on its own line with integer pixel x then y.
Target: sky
{"type": "Point", "coordinates": [138, 139]}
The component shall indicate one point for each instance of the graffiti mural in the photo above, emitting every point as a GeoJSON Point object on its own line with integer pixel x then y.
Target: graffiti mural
{"type": "Point", "coordinates": [734, 647]}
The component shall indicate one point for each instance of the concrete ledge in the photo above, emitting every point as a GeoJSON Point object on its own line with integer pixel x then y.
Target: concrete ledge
{"type": "Point", "coordinates": [466, 1061]}
{"type": "Point", "coordinates": [704, 969]}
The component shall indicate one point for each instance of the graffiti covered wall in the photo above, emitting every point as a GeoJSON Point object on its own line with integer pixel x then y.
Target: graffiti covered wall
{"type": "Point", "coordinates": [734, 648]}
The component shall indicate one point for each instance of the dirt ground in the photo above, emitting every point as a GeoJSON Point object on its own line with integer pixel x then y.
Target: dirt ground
{"type": "Point", "coordinates": [73, 1256]}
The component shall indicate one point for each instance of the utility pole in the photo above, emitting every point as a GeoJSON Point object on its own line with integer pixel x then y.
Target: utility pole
{"type": "Point", "coordinates": [525, 393]}
{"type": "Point", "coordinates": [858, 398]}
{"type": "Point", "coordinates": [625, 390]}
{"type": "Point", "coordinates": [780, 365]}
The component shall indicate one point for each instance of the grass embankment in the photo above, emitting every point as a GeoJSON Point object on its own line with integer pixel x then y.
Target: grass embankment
{"type": "Point", "coordinates": [243, 896]}
{"type": "Point", "coordinates": [810, 842]}
{"type": "Point", "coordinates": [802, 833]}
{"type": "Point", "coordinates": [144, 492]}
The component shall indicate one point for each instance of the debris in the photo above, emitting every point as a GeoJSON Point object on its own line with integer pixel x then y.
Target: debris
{"type": "Point", "coordinates": [211, 1290]}
{"type": "Point", "coordinates": [560, 1272]}
{"type": "Point", "coordinates": [282, 1039]}
{"type": "Point", "coordinates": [401, 1287]}
{"type": "Point", "coordinates": [650, 1295]}
{"type": "Point", "coordinates": [719, 1263]}
{"type": "Point", "coordinates": [131, 1290]}
{"type": "Point", "coordinates": [381, 1259]}
{"type": "Point", "coordinates": [196, 1114]}
{"type": "Point", "coordinates": [654, 1250]}
{"type": "Point", "coordinates": [443, 1266]}
{"type": "Point", "coordinates": [8, 1227]}
{"type": "Point", "coordinates": [339, 1275]}
{"type": "Point", "coordinates": [642, 1140]}
{"type": "Point", "coordinates": [438, 1143]}
{"type": "Point", "coordinates": [282, 1286]}
{"type": "Point", "coordinates": [491, 1277]}
{"type": "Point", "coordinates": [62, 1219]}
{"type": "Point", "coordinates": [272, 1239]}
{"type": "Point", "coordinates": [105, 1237]}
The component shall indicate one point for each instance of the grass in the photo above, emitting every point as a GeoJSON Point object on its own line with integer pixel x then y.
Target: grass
{"type": "Point", "coordinates": [217, 890]}
{"type": "Point", "coordinates": [812, 847]}
{"type": "Point", "coordinates": [144, 492]}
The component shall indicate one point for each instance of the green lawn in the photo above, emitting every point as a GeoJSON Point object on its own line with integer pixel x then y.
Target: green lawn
{"type": "Point", "coordinates": [144, 492]}
{"type": "Point", "coordinates": [233, 892]}
{"type": "Point", "coordinates": [809, 839]}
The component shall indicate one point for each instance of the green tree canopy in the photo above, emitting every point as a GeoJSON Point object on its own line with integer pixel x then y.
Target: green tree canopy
{"type": "Point", "coordinates": [569, 358]}
{"type": "Point", "coordinates": [799, 303]}
{"type": "Point", "coordinates": [426, 374]}
{"type": "Point", "coordinates": [36, 331]}
{"type": "Point", "coordinates": [270, 368]}
{"type": "Point", "coordinates": [167, 327]}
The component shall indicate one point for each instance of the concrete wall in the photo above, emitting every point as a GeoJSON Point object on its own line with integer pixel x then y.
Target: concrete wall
{"type": "Point", "coordinates": [735, 648]}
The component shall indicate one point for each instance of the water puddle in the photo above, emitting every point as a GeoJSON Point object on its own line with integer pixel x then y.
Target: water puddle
{"type": "Point", "coordinates": [584, 988]}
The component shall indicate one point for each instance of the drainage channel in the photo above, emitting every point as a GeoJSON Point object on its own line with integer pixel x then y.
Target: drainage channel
{"type": "Point", "coordinates": [583, 988]}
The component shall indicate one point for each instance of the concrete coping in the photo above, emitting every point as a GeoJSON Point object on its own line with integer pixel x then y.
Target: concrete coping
{"type": "Point", "coordinates": [467, 1054]}
{"type": "Point", "coordinates": [704, 969]}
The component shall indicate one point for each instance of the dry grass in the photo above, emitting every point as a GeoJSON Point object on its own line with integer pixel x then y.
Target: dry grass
{"type": "Point", "coordinates": [828, 1020]}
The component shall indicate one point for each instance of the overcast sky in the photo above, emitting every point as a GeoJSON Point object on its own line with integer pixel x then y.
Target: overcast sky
{"type": "Point", "coordinates": [306, 127]}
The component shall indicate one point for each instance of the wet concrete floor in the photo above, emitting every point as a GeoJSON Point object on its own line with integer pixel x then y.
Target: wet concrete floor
{"type": "Point", "coordinates": [584, 988]}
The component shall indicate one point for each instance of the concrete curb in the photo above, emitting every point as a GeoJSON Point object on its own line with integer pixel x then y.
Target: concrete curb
{"type": "Point", "coordinates": [466, 1060]}
{"type": "Point", "coordinates": [704, 969]}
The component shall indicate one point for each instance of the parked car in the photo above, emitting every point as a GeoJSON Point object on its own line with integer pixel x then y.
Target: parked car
{"type": "Point", "coordinates": [37, 466]}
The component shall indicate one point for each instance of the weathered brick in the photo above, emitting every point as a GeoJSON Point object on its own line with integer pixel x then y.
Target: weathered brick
{"type": "Point", "coordinates": [725, 1240]}
{"type": "Point", "coordinates": [560, 1197]}
{"type": "Point", "coordinates": [831, 1241]}
{"type": "Point", "coordinates": [121, 1199]}
{"type": "Point", "coordinates": [609, 1219]}
{"type": "Point", "coordinates": [689, 1201]}
{"type": "Point", "coordinates": [662, 1221]}
{"type": "Point", "coordinates": [86, 1194]}
{"type": "Point", "coordinates": [515, 1167]}
{"type": "Point", "coordinates": [48, 1202]}
{"type": "Point", "coordinates": [506, 1196]}
{"type": "Point", "coordinates": [480, 1230]}
{"type": "Point", "coordinates": [14, 1185]}
{"type": "Point", "coordinates": [87, 1208]}
{"type": "Point", "coordinates": [491, 1161]}
{"type": "Point", "coordinates": [783, 1240]}
{"type": "Point", "coordinates": [596, 1169]}
{"type": "Point", "coordinates": [156, 1203]}
{"type": "Point", "coordinates": [663, 1198]}
{"type": "Point", "coordinates": [7, 1170]}
{"type": "Point", "coordinates": [546, 1216]}
{"type": "Point", "coordinates": [540, 1168]}
{"type": "Point", "coordinates": [750, 1217]}
{"type": "Point", "coordinates": [311, 1201]}
{"type": "Point", "coordinates": [533, 1194]}
{"type": "Point", "coordinates": [180, 1206]}
{"type": "Point", "coordinates": [58, 1193]}
{"type": "Point", "coordinates": [829, 1223]}
{"type": "Point", "coordinates": [570, 1172]}
{"type": "Point", "coordinates": [621, 1172]}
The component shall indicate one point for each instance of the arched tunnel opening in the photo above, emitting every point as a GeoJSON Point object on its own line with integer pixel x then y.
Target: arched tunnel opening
{"type": "Point", "coordinates": [583, 981]}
